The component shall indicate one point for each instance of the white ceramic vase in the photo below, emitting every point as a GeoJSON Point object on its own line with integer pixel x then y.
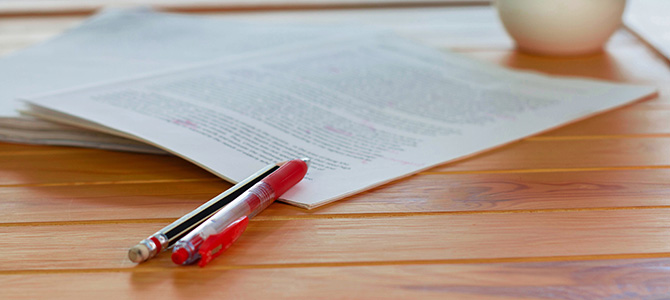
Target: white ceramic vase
{"type": "Point", "coordinates": [561, 27]}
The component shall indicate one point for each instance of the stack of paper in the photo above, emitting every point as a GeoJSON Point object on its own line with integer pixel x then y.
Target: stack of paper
{"type": "Point", "coordinates": [122, 43]}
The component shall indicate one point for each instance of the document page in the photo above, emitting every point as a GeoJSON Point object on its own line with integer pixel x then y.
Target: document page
{"type": "Point", "coordinates": [121, 43]}
{"type": "Point", "coordinates": [650, 20]}
{"type": "Point", "coordinates": [366, 111]}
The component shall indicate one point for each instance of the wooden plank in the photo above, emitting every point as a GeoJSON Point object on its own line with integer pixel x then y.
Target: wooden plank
{"type": "Point", "coordinates": [77, 203]}
{"type": "Point", "coordinates": [633, 120]}
{"type": "Point", "coordinates": [8, 149]}
{"type": "Point", "coordinates": [574, 154]}
{"type": "Point", "coordinates": [429, 193]}
{"type": "Point", "coordinates": [65, 165]}
{"type": "Point", "coordinates": [603, 279]}
{"type": "Point", "coordinates": [366, 240]}
{"type": "Point", "coordinates": [78, 165]}
{"type": "Point", "coordinates": [502, 192]}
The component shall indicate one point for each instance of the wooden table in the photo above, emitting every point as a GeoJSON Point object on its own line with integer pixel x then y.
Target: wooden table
{"type": "Point", "coordinates": [582, 212]}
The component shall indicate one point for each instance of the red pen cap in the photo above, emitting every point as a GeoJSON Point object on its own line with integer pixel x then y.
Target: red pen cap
{"type": "Point", "coordinates": [287, 176]}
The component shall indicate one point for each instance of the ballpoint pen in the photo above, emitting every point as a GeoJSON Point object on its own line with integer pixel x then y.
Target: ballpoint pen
{"type": "Point", "coordinates": [166, 237]}
{"type": "Point", "coordinates": [215, 235]}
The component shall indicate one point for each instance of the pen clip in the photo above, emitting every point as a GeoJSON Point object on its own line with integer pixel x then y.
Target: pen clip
{"type": "Point", "coordinates": [215, 244]}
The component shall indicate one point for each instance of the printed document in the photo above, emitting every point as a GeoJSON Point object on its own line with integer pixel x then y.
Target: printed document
{"type": "Point", "coordinates": [121, 43]}
{"type": "Point", "coordinates": [365, 110]}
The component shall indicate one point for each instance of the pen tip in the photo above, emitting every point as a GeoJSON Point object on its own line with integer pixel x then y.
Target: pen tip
{"type": "Point", "coordinates": [179, 256]}
{"type": "Point", "coordinates": [306, 160]}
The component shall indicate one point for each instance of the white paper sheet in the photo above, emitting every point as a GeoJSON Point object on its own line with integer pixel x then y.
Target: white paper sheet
{"type": "Point", "coordinates": [366, 111]}
{"type": "Point", "coordinates": [650, 19]}
{"type": "Point", "coordinates": [122, 43]}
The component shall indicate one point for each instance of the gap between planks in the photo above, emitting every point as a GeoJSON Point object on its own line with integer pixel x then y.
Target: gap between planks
{"type": "Point", "coordinates": [114, 182]}
{"type": "Point", "coordinates": [595, 137]}
{"type": "Point", "coordinates": [341, 216]}
{"type": "Point", "coordinates": [549, 170]}
{"type": "Point", "coordinates": [539, 259]}
{"type": "Point", "coordinates": [216, 179]}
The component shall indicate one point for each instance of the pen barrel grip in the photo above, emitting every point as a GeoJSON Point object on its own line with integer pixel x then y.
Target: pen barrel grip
{"type": "Point", "coordinates": [260, 197]}
{"type": "Point", "coordinates": [249, 204]}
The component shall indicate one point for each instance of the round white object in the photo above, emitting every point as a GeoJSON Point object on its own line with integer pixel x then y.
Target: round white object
{"type": "Point", "coordinates": [561, 27]}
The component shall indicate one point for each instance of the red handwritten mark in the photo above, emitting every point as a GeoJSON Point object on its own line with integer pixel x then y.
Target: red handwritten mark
{"type": "Point", "coordinates": [403, 162]}
{"type": "Point", "coordinates": [185, 123]}
{"type": "Point", "coordinates": [369, 125]}
{"type": "Point", "coordinates": [338, 131]}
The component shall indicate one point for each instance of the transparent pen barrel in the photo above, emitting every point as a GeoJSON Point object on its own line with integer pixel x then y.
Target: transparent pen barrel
{"type": "Point", "coordinates": [248, 204]}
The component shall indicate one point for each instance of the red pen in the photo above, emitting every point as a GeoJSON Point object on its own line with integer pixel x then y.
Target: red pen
{"type": "Point", "coordinates": [215, 235]}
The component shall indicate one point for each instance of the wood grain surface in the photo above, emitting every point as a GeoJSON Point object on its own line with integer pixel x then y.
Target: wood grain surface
{"type": "Point", "coordinates": [592, 279]}
{"type": "Point", "coordinates": [580, 212]}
